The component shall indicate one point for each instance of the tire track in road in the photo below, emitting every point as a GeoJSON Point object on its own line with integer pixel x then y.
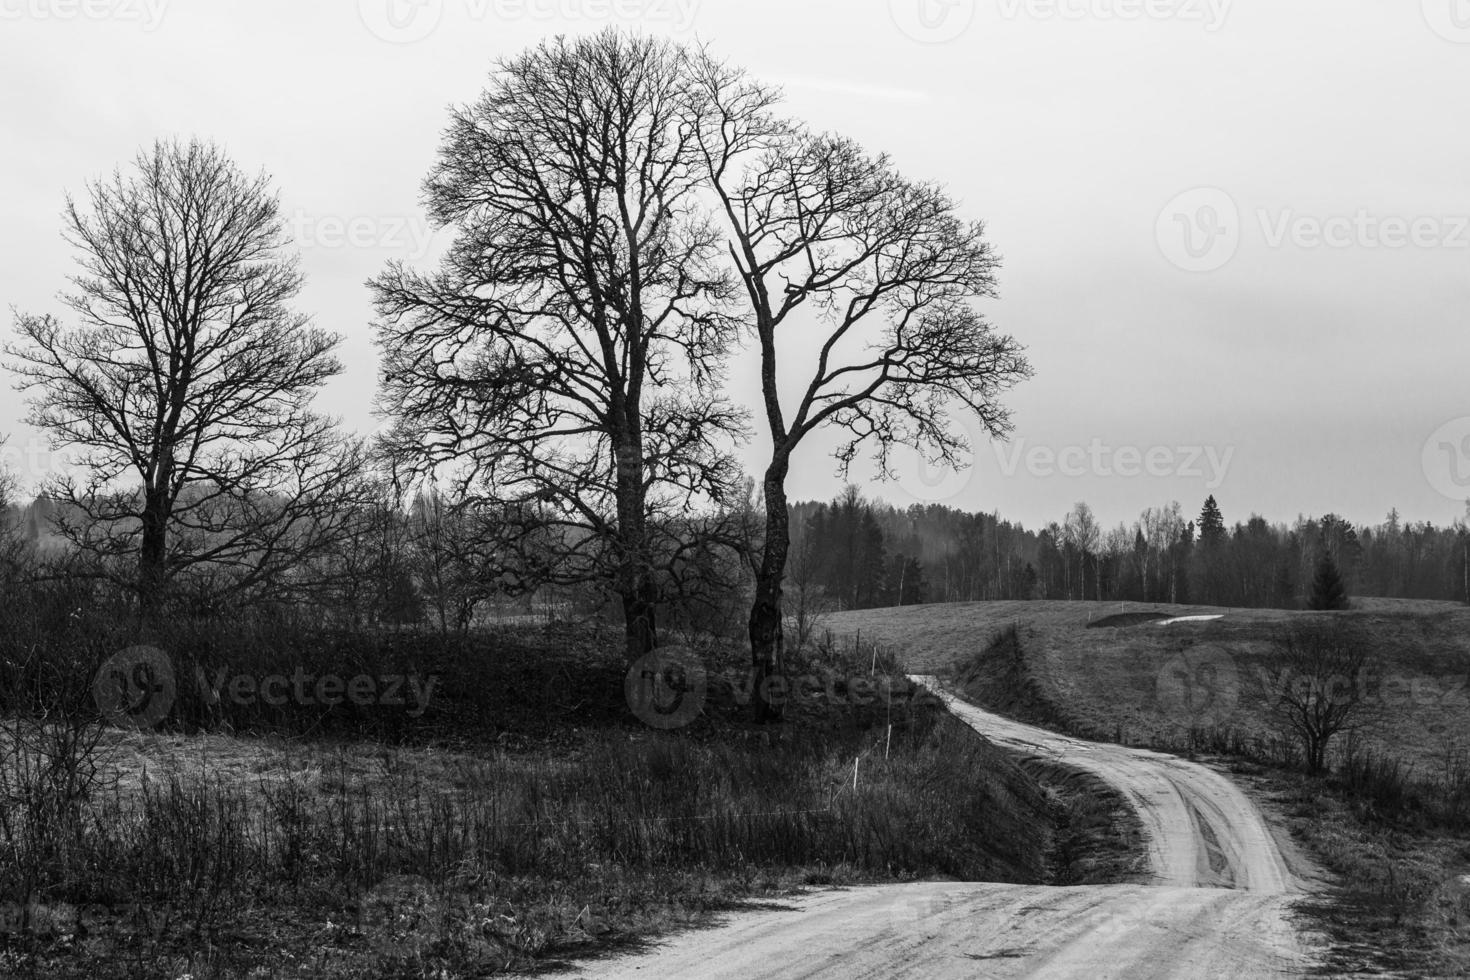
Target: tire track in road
{"type": "Point", "coordinates": [1187, 809]}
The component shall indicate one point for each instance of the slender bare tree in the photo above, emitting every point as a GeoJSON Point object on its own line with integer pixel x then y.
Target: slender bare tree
{"type": "Point", "coordinates": [564, 359]}
{"type": "Point", "coordinates": [1319, 687]}
{"type": "Point", "coordinates": [461, 557]}
{"type": "Point", "coordinates": [187, 380]}
{"type": "Point", "coordinates": [875, 274]}
{"type": "Point", "coordinates": [12, 516]}
{"type": "Point", "coordinates": [1081, 531]}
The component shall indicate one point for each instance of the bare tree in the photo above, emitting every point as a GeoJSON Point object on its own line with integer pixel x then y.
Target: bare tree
{"type": "Point", "coordinates": [1320, 687]}
{"type": "Point", "coordinates": [365, 575]}
{"type": "Point", "coordinates": [564, 358]}
{"type": "Point", "coordinates": [1162, 528]}
{"type": "Point", "coordinates": [188, 373]}
{"type": "Point", "coordinates": [1081, 530]}
{"type": "Point", "coordinates": [12, 540]}
{"type": "Point", "coordinates": [877, 274]}
{"type": "Point", "coordinates": [461, 557]}
{"type": "Point", "coordinates": [811, 599]}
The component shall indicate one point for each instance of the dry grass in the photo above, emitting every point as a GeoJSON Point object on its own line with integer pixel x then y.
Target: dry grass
{"type": "Point", "coordinates": [532, 822]}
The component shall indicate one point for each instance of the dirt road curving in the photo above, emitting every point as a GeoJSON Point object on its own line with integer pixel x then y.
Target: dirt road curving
{"type": "Point", "coordinates": [1219, 905]}
{"type": "Point", "coordinates": [1202, 830]}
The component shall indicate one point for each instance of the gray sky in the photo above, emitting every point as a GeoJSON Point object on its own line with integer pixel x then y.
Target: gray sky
{"type": "Point", "coordinates": [1236, 234]}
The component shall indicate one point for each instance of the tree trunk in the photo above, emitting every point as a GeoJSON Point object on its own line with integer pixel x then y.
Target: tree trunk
{"type": "Point", "coordinates": [766, 626]}
{"type": "Point", "coordinates": [640, 621]}
{"type": "Point", "coordinates": [635, 588]}
{"type": "Point", "coordinates": [1316, 754]}
{"type": "Point", "coordinates": [152, 557]}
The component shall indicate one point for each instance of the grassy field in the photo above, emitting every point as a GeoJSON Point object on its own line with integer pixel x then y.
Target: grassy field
{"type": "Point", "coordinates": [1390, 820]}
{"type": "Point", "coordinates": [524, 821]}
{"type": "Point", "coordinates": [1152, 684]}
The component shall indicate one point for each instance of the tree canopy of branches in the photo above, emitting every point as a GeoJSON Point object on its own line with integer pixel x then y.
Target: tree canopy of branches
{"type": "Point", "coordinates": [1320, 687]}
{"type": "Point", "coordinates": [185, 384]}
{"type": "Point", "coordinates": [564, 358]}
{"type": "Point", "coordinates": [877, 272]}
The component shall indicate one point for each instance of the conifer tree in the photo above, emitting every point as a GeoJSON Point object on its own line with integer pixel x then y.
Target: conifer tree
{"type": "Point", "coordinates": [1211, 523]}
{"type": "Point", "coordinates": [1327, 588]}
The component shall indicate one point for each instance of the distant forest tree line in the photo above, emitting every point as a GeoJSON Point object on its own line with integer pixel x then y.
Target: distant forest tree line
{"type": "Point", "coordinates": [853, 553]}
{"type": "Point", "coordinates": [435, 564]}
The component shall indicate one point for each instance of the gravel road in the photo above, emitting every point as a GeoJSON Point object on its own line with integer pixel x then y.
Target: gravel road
{"type": "Point", "coordinates": [1218, 905]}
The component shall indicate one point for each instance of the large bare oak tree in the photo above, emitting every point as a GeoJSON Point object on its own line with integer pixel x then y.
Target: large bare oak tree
{"type": "Point", "coordinates": [563, 359]}
{"type": "Point", "coordinates": [185, 382]}
{"type": "Point", "coordinates": [876, 273]}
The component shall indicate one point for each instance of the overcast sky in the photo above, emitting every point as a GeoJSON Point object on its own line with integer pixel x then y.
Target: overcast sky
{"type": "Point", "coordinates": [1236, 235]}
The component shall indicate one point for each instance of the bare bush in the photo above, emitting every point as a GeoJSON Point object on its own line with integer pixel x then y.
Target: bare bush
{"type": "Point", "coordinates": [1320, 687]}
